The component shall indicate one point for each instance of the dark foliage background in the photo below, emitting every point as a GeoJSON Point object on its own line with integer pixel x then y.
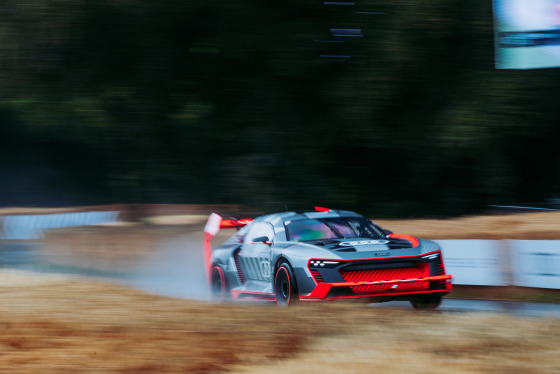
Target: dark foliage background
{"type": "Point", "coordinates": [221, 101]}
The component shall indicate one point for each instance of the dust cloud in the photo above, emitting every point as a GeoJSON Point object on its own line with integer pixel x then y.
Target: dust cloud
{"type": "Point", "coordinates": [175, 269]}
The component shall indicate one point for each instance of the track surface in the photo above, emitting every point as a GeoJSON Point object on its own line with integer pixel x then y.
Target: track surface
{"type": "Point", "coordinates": [513, 308]}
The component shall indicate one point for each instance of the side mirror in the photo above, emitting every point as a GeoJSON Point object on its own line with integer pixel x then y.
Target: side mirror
{"type": "Point", "coordinates": [262, 240]}
{"type": "Point", "coordinates": [387, 232]}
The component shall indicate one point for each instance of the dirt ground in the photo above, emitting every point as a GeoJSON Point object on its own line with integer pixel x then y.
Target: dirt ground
{"type": "Point", "coordinates": [53, 323]}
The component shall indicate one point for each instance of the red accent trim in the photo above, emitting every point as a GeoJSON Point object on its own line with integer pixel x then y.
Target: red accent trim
{"type": "Point", "coordinates": [234, 223]}
{"type": "Point", "coordinates": [313, 298]}
{"type": "Point", "coordinates": [424, 279]}
{"type": "Point", "coordinates": [415, 242]}
{"type": "Point", "coordinates": [319, 292]}
{"type": "Point", "coordinates": [208, 255]}
{"type": "Point", "coordinates": [321, 209]}
{"type": "Point", "coordinates": [228, 223]}
{"type": "Point", "coordinates": [324, 289]}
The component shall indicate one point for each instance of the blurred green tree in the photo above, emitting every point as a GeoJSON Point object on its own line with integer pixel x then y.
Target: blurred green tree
{"type": "Point", "coordinates": [267, 104]}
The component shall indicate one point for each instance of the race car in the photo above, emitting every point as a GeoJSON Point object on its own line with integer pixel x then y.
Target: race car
{"type": "Point", "coordinates": [319, 255]}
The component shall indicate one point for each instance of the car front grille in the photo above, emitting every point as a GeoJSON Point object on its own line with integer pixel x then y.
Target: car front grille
{"type": "Point", "coordinates": [419, 270]}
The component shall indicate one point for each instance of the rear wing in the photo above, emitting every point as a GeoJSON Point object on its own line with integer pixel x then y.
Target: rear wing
{"type": "Point", "coordinates": [213, 225]}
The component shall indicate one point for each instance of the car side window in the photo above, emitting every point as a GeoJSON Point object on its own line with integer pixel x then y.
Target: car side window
{"type": "Point", "coordinates": [309, 229]}
{"type": "Point", "coordinates": [343, 229]}
{"type": "Point", "coordinates": [258, 230]}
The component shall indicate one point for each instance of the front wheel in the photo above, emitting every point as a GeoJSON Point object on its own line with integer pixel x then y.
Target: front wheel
{"type": "Point", "coordinates": [285, 286]}
{"type": "Point", "coordinates": [428, 302]}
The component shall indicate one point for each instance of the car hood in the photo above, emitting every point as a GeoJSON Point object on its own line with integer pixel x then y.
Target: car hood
{"type": "Point", "coordinates": [356, 248]}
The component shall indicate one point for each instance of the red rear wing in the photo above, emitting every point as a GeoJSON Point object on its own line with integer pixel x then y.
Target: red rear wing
{"type": "Point", "coordinates": [213, 226]}
{"type": "Point", "coordinates": [234, 223]}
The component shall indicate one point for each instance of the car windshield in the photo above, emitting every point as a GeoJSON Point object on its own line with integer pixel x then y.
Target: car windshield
{"type": "Point", "coordinates": [331, 228]}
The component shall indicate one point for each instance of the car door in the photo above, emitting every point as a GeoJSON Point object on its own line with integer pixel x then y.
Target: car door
{"type": "Point", "coordinates": [255, 255]}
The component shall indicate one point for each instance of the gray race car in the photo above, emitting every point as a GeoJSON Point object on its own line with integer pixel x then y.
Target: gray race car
{"type": "Point", "coordinates": [323, 254]}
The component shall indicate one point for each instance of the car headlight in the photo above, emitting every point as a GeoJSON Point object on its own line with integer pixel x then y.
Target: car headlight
{"type": "Point", "coordinates": [431, 256]}
{"type": "Point", "coordinates": [322, 263]}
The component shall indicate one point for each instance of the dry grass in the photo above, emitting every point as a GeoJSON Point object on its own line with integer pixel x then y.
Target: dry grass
{"type": "Point", "coordinates": [56, 324]}
{"type": "Point", "coordinates": [68, 325]}
{"type": "Point", "coordinates": [407, 342]}
{"type": "Point", "coordinates": [530, 226]}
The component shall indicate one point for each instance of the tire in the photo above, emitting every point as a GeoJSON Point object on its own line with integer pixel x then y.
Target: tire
{"type": "Point", "coordinates": [218, 285]}
{"type": "Point", "coordinates": [285, 288]}
{"type": "Point", "coordinates": [428, 302]}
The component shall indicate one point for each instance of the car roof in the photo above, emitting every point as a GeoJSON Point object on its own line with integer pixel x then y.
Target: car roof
{"type": "Point", "coordinates": [282, 217]}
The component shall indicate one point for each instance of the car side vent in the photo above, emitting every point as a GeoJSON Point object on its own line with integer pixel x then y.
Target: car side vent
{"type": "Point", "coordinates": [438, 284]}
{"type": "Point", "coordinates": [400, 244]}
{"type": "Point", "coordinates": [346, 249]}
{"type": "Point", "coordinates": [238, 267]}
{"type": "Point", "coordinates": [317, 276]}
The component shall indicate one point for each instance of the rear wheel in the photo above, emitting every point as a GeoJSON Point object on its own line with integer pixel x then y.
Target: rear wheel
{"type": "Point", "coordinates": [218, 284]}
{"type": "Point", "coordinates": [285, 286]}
{"type": "Point", "coordinates": [428, 302]}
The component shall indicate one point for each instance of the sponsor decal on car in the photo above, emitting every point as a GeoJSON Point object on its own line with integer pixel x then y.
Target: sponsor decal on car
{"type": "Point", "coordinates": [265, 269]}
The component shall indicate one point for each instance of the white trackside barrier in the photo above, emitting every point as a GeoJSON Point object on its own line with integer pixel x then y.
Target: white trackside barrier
{"type": "Point", "coordinates": [526, 263]}
{"type": "Point", "coordinates": [536, 263]}
{"type": "Point", "coordinates": [474, 262]}
{"type": "Point", "coordinates": [27, 227]}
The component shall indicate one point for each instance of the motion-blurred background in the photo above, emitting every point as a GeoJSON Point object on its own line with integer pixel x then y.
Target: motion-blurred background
{"type": "Point", "coordinates": [391, 108]}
